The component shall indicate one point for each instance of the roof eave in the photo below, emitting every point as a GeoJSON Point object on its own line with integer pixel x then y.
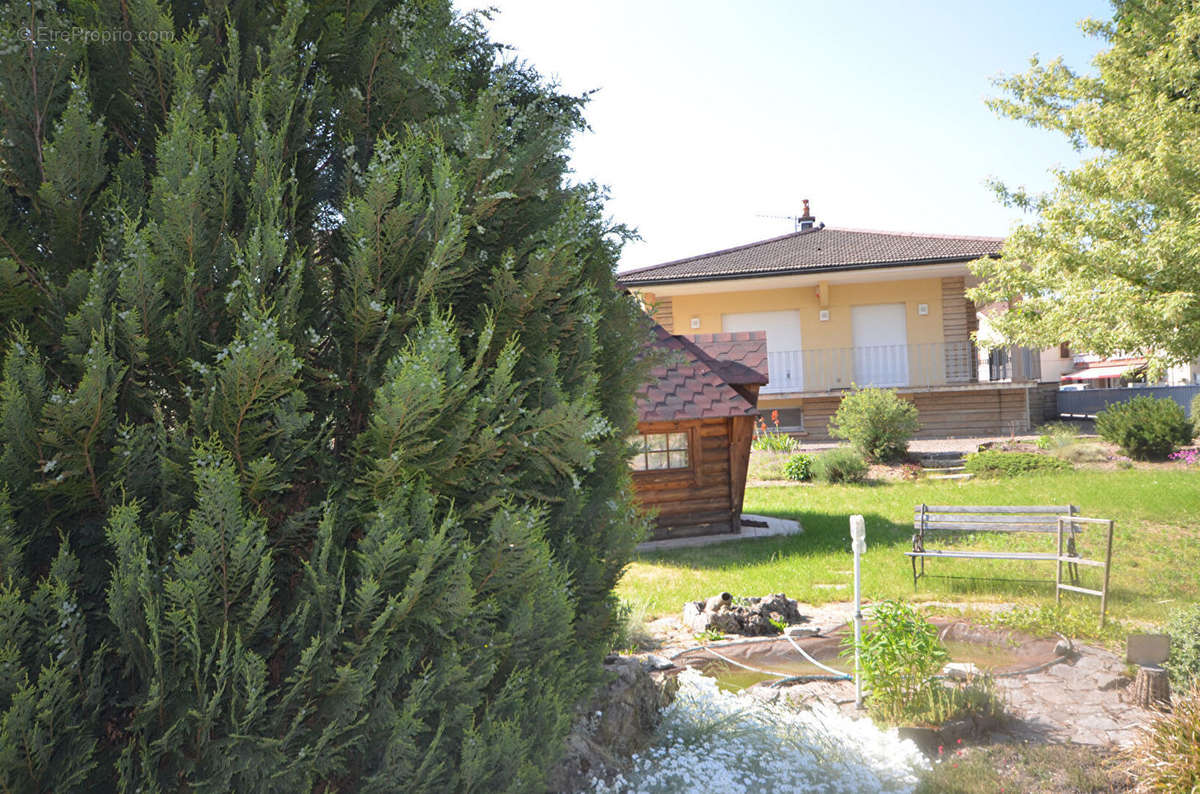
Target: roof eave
{"type": "Point", "coordinates": [803, 271]}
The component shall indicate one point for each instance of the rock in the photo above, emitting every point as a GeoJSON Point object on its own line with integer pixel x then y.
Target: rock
{"type": "Point", "coordinates": [960, 670]}
{"type": "Point", "coordinates": [653, 661]}
{"type": "Point", "coordinates": [619, 721]}
{"type": "Point", "coordinates": [718, 603]}
{"type": "Point", "coordinates": [751, 617]}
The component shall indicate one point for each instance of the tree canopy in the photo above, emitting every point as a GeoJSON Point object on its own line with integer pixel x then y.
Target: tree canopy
{"type": "Point", "coordinates": [314, 399]}
{"type": "Point", "coordinates": [1112, 260]}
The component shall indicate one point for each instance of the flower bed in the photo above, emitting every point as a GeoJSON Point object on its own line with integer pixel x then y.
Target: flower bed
{"type": "Point", "coordinates": [711, 740]}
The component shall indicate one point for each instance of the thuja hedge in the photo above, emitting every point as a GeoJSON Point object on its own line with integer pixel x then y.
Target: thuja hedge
{"type": "Point", "coordinates": [313, 404]}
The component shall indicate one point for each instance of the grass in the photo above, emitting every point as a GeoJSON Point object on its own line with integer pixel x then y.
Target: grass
{"type": "Point", "coordinates": [1020, 768]}
{"type": "Point", "coordinates": [1156, 550]}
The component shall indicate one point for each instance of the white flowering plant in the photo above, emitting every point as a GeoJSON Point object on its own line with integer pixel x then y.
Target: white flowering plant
{"type": "Point", "coordinates": [712, 740]}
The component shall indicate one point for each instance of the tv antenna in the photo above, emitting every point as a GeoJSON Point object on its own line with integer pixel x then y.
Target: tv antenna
{"type": "Point", "coordinates": [800, 223]}
{"type": "Point", "coordinates": [795, 219]}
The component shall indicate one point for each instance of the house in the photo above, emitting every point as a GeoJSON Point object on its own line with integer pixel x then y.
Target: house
{"type": "Point", "coordinates": [695, 424]}
{"type": "Point", "coordinates": [846, 307]}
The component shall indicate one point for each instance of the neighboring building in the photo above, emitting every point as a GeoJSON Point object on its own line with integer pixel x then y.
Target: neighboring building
{"type": "Point", "coordinates": [843, 307]}
{"type": "Point", "coordinates": [1094, 372]}
{"type": "Point", "coordinates": [1056, 362]}
{"type": "Point", "coordinates": [695, 424]}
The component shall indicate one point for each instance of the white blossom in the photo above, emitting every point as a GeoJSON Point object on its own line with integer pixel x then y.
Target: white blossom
{"type": "Point", "coordinates": [711, 740]}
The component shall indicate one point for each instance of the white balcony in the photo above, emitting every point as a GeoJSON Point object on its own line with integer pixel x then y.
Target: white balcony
{"type": "Point", "coordinates": [832, 369]}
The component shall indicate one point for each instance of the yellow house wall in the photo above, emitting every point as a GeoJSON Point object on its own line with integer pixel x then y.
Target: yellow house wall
{"type": "Point", "coordinates": [818, 335]}
{"type": "Point", "coordinates": [831, 371]}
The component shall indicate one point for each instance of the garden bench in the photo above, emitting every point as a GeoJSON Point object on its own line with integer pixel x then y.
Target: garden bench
{"type": "Point", "coordinates": [1061, 521]}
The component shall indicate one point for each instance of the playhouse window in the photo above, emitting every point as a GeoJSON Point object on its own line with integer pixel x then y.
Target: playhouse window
{"type": "Point", "coordinates": [660, 451]}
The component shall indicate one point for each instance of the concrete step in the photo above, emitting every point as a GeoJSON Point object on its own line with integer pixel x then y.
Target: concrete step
{"type": "Point", "coordinates": [939, 460]}
{"type": "Point", "coordinates": [944, 469]}
{"type": "Point", "coordinates": [962, 476]}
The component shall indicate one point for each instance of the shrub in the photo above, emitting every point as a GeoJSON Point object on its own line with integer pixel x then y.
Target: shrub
{"type": "Point", "coordinates": [876, 422]}
{"type": "Point", "coordinates": [799, 467]}
{"type": "Point", "coordinates": [772, 439]}
{"type": "Point", "coordinates": [1167, 756]}
{"type": "Point", "coordinates": [1184, 629]}
{"type": "Point", "coordinates": [995, 463]}
{"type": "Point", "coordinates": [1145, 428]}
{"type": "Point", "coordinates": [281, 507]}
{"type": "Point", "coordinates": [1196, 416]}
{"type": "Point", "coordinates": [840, 464]}
{"type": "Point", "coordinates": [900, 655]}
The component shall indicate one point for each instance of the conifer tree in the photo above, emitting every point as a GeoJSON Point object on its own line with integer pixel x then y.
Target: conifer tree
{"type": "Point", "coordinates": [313, 399]}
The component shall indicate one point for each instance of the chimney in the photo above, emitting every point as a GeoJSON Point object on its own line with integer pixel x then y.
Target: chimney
{"type": "Point", "coordinates": [806, 221]}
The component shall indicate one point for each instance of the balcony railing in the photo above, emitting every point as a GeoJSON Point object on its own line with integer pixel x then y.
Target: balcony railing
{"type": "Point", "coordinates": [930, 364]}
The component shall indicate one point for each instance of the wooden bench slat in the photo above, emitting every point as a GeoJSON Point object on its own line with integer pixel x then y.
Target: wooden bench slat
{"type": "Point", "coordinates": [985, 555]}
{"type": "Point", "coordinates": [989, 518]}
{"type": "Point", "coordinates": [1042, 528]}
{"type": "Point", "coordinates": [1053, 509]}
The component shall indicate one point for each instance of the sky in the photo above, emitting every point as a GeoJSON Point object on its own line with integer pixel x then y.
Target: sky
{"type": "Point", "coordinates": [707, 115]}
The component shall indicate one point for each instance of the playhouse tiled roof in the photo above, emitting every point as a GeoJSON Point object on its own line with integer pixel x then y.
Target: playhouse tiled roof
{"type": "Point", "coordinates": [814, 251]}
{"type": "Point", "coordinates": [739, 357]}
{"type": "Point", "coordinates": [694, 382]}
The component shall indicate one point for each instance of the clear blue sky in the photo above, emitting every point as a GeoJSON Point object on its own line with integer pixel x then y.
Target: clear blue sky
{"type": "Point", "coordinates": [709, 113]}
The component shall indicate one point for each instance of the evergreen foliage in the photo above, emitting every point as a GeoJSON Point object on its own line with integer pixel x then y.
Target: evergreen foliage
{"type": "Point", "coordinates": [1145, 428]}
{"type": "Point", "coordinates": [314, 390]}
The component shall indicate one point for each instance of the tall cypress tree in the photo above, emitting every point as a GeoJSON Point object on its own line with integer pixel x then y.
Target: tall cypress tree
{"type": "Point", "coordinates": [313, 400]}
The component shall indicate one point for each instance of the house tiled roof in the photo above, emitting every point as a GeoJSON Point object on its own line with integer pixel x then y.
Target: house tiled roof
{"type": "Point", "coordinates": [814, 251]}
{"type": "Point", "coordinates": [691, 384]}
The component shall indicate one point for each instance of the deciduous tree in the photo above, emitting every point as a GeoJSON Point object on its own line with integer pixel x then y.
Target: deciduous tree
{"type": "Point", "coordinates": [1112, 260]}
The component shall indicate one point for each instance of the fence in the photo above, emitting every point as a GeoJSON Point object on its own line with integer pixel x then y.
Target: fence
{"type": "Point", "coordinates": [1089, 402]}
{"type": "Point", "coordinates": [928, 364]}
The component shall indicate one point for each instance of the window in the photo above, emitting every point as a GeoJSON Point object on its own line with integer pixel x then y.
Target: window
{"type": "Point", "coordinates": [660, 451]}
{"type": "Point", "coordinates": [1064, 350]}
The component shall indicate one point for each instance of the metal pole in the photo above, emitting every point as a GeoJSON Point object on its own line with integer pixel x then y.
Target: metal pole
{"type": "Point", "coordinates": [1058, 575]}
{"type": "Point", "coordinates": [858, 537]}
{"type": "Point", "coordinates": [1107, 568]}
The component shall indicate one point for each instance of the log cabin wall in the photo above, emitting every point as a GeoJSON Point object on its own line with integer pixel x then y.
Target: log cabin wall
{"type": "Point", "coordinates": [698, 500]}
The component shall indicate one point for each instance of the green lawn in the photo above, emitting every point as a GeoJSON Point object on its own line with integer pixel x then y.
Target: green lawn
{"type": "Point", "coordinates": [1156, 551]}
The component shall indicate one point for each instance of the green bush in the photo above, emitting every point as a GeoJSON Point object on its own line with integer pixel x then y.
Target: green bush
{"type": "Point", "coordinates": [900, 655]}
{"type": "Point", "coordinates": [838, 465]}
{"type": "Point", "coordinates": [799, 467]}
{"type": "Point", "coordinates": [1184, 629]}
{"type": "Point", "coordinates": [995, 463]}
{"type": "Point", "coordinates": [876, 422]}
{"type": "Point", "coordinates": [315, 386]}
{"type": "Point", "coordinates": [1196, 416]}
{"type": "Point", "coordinates": [1145, 428]}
